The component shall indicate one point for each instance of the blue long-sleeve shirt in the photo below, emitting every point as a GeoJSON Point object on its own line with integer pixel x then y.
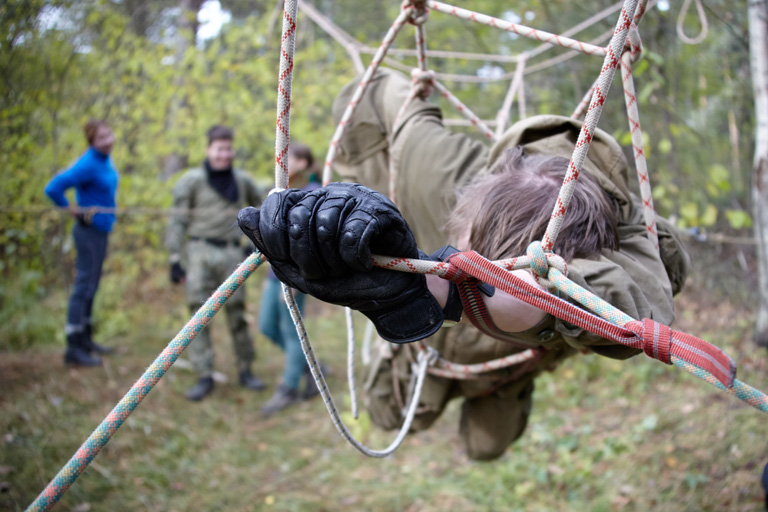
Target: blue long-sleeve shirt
{"type": "Point", "coordinates": [94, 178]}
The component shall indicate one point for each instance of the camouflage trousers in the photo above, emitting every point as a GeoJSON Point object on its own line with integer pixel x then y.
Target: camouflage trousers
{"type": "Point", "coordinates": [208, 266]}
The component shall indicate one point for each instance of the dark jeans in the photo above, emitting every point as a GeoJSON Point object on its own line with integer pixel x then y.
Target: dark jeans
{"type": "Point", "coordinates": [91, 246]}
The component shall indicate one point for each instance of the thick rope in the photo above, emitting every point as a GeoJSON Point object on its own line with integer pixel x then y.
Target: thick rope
{"type": "Point", "coordinates": [610, 63]}
{"type": "Point", "coordinates": [104, 432]}
{"type": "Point", "coordinates": [285, 82]}
{"type": "Point", "coordinates": [352, 106]}
{"type": "Point", "coordinates": [539, 35]}
{"type": "Point", "coordinates": [641, 165]}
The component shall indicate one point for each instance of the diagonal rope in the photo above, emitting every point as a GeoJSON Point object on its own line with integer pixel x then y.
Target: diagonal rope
{"type": "Point", "coordinates": [104, 432]}
{"type": "Point", "coordinates": [610, 63]}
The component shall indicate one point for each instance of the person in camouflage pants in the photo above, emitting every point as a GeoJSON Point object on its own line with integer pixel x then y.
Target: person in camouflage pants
{"type": "Point", "coordinates": [205, 205]}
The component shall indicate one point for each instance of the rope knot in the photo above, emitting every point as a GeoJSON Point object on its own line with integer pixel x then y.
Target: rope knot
{"type": "Point", "coordinates": [422, 82]}
{"type": "Point", "coordinates": [657, 339]}
{"type": "Point", "coordinates": [419, 14]}
{"type": "Point", "coordinates": [537, 260]}
{"type": "Point", "coordinates": [633, 44]}
{"type": "Point", "coordinates": [429, 353]}
{"type": "Point", "coordinates": [454, 273]}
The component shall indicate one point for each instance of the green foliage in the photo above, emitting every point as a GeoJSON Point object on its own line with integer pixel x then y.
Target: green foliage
{"type": "Point", "coordinates": [62, 62]}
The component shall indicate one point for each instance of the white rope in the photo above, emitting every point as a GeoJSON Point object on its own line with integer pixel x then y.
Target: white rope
{"type": "Point", "coordinates": [351, 361]}
{"type": "Point", "coordinates": [702, 19]}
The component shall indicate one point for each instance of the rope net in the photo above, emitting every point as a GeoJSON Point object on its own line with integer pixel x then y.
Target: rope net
{"type": "Point", "coordinates": [624, 48]}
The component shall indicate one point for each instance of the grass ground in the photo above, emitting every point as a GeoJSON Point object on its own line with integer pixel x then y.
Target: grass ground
{"type": "Point", "coordinates": [604, 435]}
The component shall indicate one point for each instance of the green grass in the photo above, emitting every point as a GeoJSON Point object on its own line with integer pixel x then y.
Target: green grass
{"type": "Point", "coordinates": [604, 435]}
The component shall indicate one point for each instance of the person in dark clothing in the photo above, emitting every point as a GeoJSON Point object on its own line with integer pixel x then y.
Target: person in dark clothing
{"type": "Point", "coordinates": [95, 179]}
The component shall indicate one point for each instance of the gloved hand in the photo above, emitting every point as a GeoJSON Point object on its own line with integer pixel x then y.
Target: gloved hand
{"type": "Point", "coordinates": [321, 242]}
{"type": "Point", "coordinates": [178, 274]}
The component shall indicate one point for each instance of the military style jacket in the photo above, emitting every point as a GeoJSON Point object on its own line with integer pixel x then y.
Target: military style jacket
{"type": "Point", "coordinates": [433, 162]}
{"type": "Point", "coordinates": [201, 212]}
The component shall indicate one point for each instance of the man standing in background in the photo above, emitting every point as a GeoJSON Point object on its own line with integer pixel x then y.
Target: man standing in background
{"type": "Point", "coordinates": [205, 205]}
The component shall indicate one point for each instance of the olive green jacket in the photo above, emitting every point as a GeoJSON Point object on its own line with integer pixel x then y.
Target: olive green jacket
{"type": "Point", "coordinates": [200, 212]}
{"type": "Point", "coordinates": [432, 162]}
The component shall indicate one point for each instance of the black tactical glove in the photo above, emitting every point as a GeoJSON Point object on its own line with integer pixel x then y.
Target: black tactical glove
{"type": "Point", "coordinates": [321, 242]}
{"type": "Point", "coordinates": [178, 274]}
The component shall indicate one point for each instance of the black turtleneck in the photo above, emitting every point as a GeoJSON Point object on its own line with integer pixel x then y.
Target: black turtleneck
{"type": "Point", "coordinates": [223, 182]}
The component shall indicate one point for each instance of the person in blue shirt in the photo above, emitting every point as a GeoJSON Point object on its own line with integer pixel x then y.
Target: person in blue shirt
{"type": "Point", "coordinates": [94, 178]}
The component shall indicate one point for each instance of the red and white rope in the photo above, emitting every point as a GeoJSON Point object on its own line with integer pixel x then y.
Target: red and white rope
{"type": "Point", "coordinates": [285, 81]}
{"type": "Point", "coordinates": [515, 88]}
{"type": "Point", "coordinates": [610, 63]}
{"type": "Point", "coordinates": [465, 111]}
{"type": "Point", "coordinates": [641, 165]}
{"type": "Point", "coordinates": [539, 35]}
{"type": "Point", "coordinates": [389, 38]}
{"type": "Point", "coordinates": [445, 368]}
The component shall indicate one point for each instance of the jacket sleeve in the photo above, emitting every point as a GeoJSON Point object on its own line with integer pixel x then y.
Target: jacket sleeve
{"type": "Point", "coordinates": [76, 175]}
{"type": "Point", "coordinates": [430, 160]}
{"type": "Point", "coordinates": [179, 218]}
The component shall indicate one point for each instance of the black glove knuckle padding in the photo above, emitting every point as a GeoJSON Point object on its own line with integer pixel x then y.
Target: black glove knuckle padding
{"type": "Point", "coordinates": [321, 243]}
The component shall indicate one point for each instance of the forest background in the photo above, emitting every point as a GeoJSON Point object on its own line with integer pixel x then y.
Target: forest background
{"type": "Point", "coordinates": [142, 66]}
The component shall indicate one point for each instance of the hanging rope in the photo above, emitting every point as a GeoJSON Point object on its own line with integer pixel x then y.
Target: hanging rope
{"type": "Point", "coordinates": [702, 19]}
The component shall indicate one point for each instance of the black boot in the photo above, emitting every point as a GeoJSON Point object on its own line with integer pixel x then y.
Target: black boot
{"type": "Point", "coordinates": [91, 345]}
{"type": "Point", "coordinates": [76, 353]}
{"type": "Point", "coordinates": [202, 389]}
{"type": "Point", "coordinates": [250, 381]}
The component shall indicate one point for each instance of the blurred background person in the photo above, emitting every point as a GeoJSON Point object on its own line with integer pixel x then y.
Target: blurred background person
{"type": "Point", "coordinates": [205, 204]}
{"type": "Point", "coordinates": [95, 179]}
{"type": "Point", "coordinates": [274, 318]}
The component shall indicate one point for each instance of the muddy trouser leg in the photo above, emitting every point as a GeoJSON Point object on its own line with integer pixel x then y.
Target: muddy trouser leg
{"type": "Point", "coordinates": [199, 285]}
{"type": "Point", "coordinates": [381, 397]}
{"type": "Point", "coordinates": [490, 423]}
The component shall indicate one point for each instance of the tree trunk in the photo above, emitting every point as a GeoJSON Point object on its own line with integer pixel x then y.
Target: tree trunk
{"type": "Point", "coordinates": [758, 53]}
{"type": "Point", "coordinates": [186, 32]}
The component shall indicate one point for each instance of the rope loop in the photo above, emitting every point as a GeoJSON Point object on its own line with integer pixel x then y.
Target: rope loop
{"type": "Point", "coordinates": [423, 82]}
{"type": "Point", "coordinates": [702, 19]}
{"type": "Point", "coordinates": [419, 13]}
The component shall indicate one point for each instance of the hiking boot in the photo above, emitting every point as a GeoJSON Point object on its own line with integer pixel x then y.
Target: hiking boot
{"type": "Point", "coordinates": [310, 388]}
{"type": "Point", "coordinates": [92, 346]}
{"type": "Point", "coordinates": [202, 389]}
{"type": "Point", "coordinates": [76, 354]}
{"type": "Point", "coordinates": [250, 381]}
{"type": "Point", "coordinates": [284, 397]}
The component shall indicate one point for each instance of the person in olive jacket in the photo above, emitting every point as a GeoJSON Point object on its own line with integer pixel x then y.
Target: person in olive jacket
{"type": "Point", "coordinates": [206, 200]}
{"type": "Point", "coordinates": [453, 188]}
